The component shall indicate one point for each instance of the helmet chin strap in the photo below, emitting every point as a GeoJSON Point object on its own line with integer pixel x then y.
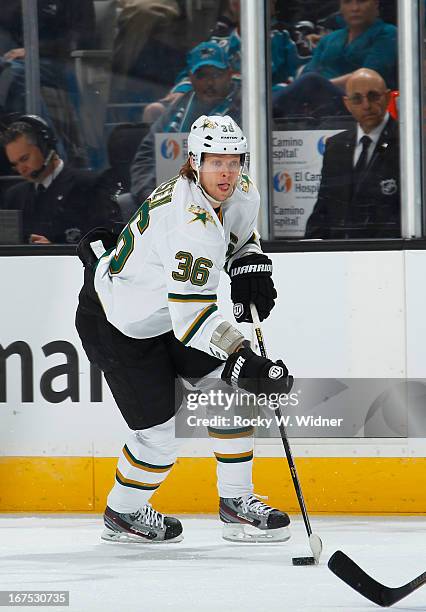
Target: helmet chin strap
{"type": "Point", "coordinates": [209, 197]}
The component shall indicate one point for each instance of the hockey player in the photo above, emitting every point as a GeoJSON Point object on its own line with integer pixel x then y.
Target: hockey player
{"type": "Point", "coordinates": [147, 314]}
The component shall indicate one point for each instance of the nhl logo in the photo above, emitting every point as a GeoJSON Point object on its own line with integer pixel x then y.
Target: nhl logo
{"type": "Point", "coordinates": [389, 186]}
{"type": "Point", "coordinates": [275, 372]}
{"type": "Point", "coordinates": [238, 310]}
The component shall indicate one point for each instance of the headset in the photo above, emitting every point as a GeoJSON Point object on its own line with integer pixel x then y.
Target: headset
{"type": "Point", "coordinates": [46, 140]}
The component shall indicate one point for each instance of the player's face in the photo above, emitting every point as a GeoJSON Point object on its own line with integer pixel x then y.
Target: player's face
{"type": "Point", "coordinates": [219, 175]}
{"type": "Point", "coordinates": [367, 100]}
{"type": "Point", "coordinates": [211, 84]}
{"type": "Point", "coordinates": [359, 13]}
{"type": "Point", "coordinates": [24, 157]}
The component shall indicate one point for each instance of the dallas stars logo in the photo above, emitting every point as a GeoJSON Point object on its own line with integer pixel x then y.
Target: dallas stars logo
{"type": "Point", "coordinates": [245, 183]}
{"type": "Point", "coordinates": [209, 124]}
{"type": "Point", "coordinates": [200, 214]}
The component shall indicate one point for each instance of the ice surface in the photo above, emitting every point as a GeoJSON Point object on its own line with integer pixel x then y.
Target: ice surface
{"type": "Point", "coordinates": [204, 573]}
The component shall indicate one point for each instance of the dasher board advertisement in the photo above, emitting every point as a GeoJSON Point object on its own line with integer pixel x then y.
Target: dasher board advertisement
{"type": "Point", "coordinates": [297, 162]}
{"type": "Point", "coordinates": [171, 152]}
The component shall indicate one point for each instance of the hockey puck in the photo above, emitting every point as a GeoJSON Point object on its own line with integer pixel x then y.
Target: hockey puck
{"type": "Point", "coordinates": [303, 561]}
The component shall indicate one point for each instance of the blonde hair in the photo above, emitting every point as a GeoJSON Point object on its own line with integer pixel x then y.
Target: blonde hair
{"type": "Point", "coordinates": [187, 171]}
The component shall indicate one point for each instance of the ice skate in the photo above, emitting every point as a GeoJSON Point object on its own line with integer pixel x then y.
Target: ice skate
{"type": "Point", "coordinates": [146, 525]}
{"type": "Point", "coordinates": [247, 519]}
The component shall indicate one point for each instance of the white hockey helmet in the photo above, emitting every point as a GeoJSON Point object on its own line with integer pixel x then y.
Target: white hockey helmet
{"type": "Point", "coordinates": [216, 134]}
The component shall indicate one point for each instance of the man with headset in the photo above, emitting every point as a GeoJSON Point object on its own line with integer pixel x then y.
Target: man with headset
{"type": "Point", "coordinates": [59, 204]}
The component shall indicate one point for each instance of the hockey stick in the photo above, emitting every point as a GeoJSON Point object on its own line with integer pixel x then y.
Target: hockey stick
{"type": "Point", "coordinates": [348, 571]}
{"type": "Point", "coordinates": [314, 540]}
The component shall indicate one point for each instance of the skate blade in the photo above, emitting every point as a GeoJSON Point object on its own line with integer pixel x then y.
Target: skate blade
{"type": "Point", "coordinates": [237, 532]}
{"type": "Point", "coordinates": [118, 536]}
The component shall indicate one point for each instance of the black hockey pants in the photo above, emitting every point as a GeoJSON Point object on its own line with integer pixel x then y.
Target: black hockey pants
{"type": "Point", "coordinates": [142, 374]}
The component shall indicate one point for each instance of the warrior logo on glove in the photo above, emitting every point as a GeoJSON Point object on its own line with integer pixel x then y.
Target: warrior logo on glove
{"type": "Point", "coordinates": [238, 311]}
{"type": "Point", "coordinates": [251, 282]}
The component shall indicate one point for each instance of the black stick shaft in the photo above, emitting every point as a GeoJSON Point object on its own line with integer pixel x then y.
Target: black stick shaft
{"type": "Point", "coordinates": [293, 472]}
{"type": "Point", "coordinates": [284, 440]}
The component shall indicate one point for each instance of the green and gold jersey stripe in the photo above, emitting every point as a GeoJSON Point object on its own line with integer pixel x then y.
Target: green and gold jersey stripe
{"type": "Point", "coordinates": [135, 484]}
{"type": "Point", "coordinates": [103, 255]}
{"type": "Point", "coordinates": [195, 326]}
{"type": "Point", "coordinates": [234, 458]}
{"type": "Point", "coordinates": [241, 432]}
{"type": "Point", "coordinates": [143, 465]}
{"type": "Point", "coordinates": [191, 297]}
{"type": "Point", "coordinates": [163, 194]}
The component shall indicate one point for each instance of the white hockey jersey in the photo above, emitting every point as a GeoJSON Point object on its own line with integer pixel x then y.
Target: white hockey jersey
{"type": "Point", "coordinates": [164, 272]}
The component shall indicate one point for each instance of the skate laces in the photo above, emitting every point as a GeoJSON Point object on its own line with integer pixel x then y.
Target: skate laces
{"type": "Point", "coordinates": [252, 503]}
{"type": "Point", "coordinates": [149, 516]}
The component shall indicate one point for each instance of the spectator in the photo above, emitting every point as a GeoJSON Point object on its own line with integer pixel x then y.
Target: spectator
{"type": "Point", "coordinates": [59, 204]}
{"type": "Point", "coordinates": [153, 37]}
{"type": "Point", "coordinates": [226, 34]}
{"type": "Point", "coordinates": [224, 31]}
{"type": "Point", "coordinates": [359, 195]}
{"type": "Point", "coordinates": [228, 20]}
{"type": "Point", "coordinates": [284, 56]}
{"type": "Point", "coordinates": [63, 26]}
{"type": "Point", "coordinates": [215, 92]}
{"type": "Point", "coordinates": [301, 10]}
{"type": "Point", "coordinates": [366, 41]}
{"type": "Point", "coordinates": [139, 22]}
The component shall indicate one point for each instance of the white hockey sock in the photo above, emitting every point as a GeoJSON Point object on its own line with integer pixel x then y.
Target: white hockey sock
{"type": "Point", "coordinates": [144, 463]}
{"type": "Point", "coordinates": [233, 450]}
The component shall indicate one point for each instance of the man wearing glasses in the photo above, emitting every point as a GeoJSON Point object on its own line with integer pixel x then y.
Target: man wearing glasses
{"type": "Point", "coordinates": [359, 193]}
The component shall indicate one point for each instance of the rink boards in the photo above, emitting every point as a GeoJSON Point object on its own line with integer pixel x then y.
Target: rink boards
{"type": "Point", "coordinates": [339, 316]}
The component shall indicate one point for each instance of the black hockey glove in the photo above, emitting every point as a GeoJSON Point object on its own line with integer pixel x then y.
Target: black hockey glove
{"type": "Point", "coordinates": [84, 250]}
{"type": "Point", "coordinates": [246, 370]}
{"type": "Point", "coordinates": [251, 282]}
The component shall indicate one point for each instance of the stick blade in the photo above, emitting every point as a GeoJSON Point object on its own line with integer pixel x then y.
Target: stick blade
{"type": "Point", "coordinates": [316, 546]}
{"type": "Point", "coordinates": [355, 577]}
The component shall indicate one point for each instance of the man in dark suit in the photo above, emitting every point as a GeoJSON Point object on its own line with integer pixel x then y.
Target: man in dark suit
{"type": "Point", "coordinates": [59, 204]}
{"type": "Point", "coordinates": [359, 195]}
